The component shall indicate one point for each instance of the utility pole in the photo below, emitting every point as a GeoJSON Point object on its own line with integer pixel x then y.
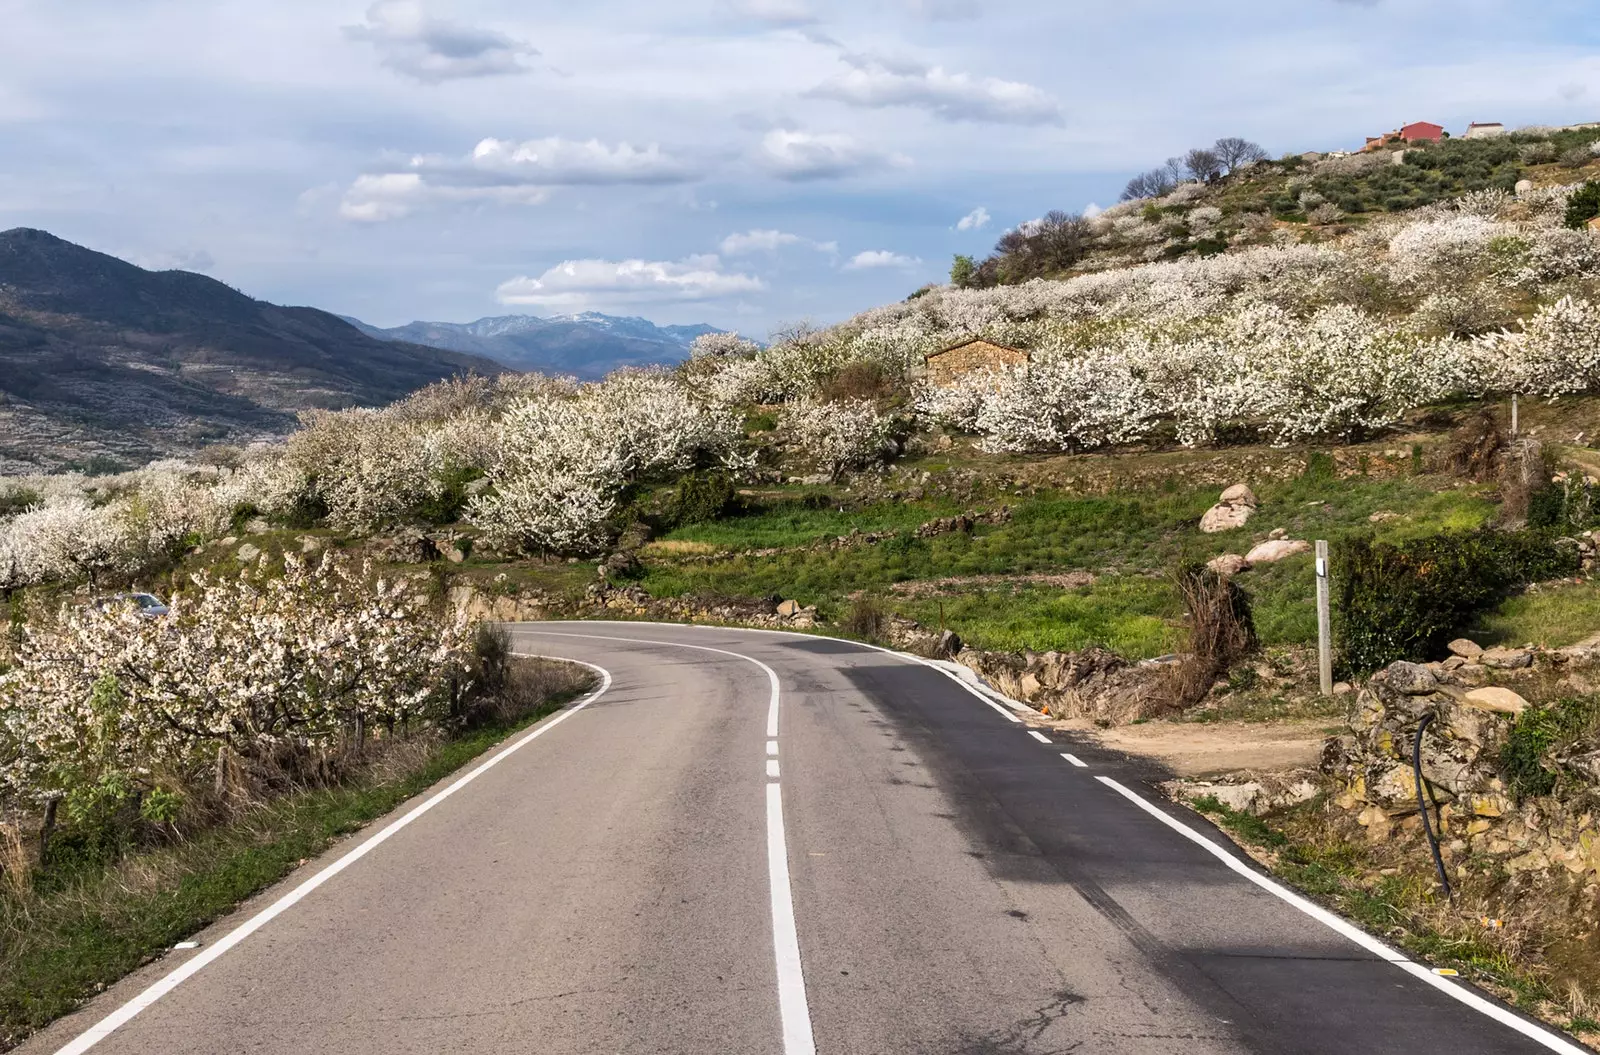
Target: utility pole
{"type": "Point", "coordinates": [1324, 630]}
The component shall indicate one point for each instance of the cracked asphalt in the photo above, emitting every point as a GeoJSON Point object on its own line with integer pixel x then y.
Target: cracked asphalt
{"type": "Point", "coordinates": [957, 887]}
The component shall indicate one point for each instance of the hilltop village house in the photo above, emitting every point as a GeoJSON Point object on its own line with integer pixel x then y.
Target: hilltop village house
{"type": "Point", "coordinates": [1484, 130]}
{"type": "Point", "coordinates": [951, 364]}
{"type": "Point", "coordinates": [1416, 132]}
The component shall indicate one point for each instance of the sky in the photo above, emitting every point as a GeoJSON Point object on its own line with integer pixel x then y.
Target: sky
{"type": "Point", "coordinates": [747, 163]}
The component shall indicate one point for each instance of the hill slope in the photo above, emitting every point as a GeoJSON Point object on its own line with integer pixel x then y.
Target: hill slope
{"type": "Point", "coordinates": [588, 345]}
{"type": "Point", "coordinates": [99, 358]}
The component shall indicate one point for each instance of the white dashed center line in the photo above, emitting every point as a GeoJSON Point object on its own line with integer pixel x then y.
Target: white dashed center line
{"type": "Point", "coordinates": [1037, 735]}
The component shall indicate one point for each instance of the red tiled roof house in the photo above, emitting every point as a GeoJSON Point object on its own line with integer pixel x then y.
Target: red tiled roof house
{"type": "Point", "coordinates": [1420, 130]}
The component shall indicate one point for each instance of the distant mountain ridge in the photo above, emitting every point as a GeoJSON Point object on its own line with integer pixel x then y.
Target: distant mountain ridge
{"type": "Point", "coordinates": [588, 344]}
{"type": "Point", "coordinates": [102, 360]}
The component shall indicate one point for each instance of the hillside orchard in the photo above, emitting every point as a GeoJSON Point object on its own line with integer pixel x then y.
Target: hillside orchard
{"type": "Point", "coordinates": [1283, 342]}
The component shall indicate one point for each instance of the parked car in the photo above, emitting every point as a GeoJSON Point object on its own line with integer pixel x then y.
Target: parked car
{"type": "Point", "coordinates": [146, 604]}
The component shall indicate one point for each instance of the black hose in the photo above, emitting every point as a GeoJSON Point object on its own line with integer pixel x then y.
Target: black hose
{"type": "Point", "coordinates": [1422, 807]}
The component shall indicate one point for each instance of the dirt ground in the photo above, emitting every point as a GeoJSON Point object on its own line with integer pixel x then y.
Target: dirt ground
{"type": "Point", "coordinates": [1206, 751]}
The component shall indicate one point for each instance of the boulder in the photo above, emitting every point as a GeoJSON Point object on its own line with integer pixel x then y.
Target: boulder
{"type": "Point", "coordinates": [1223, 517]}
{"type": "Point", "coordinates": [1228, 564]}
{"type": "Point", "coordinates": [1412, 679]}
{"type": "Point", "coordinates": [1507, 658]}
{"type": "Point", "coordinates": [1524, 186]}
{"type": "Point", "coordinates": [257, 527]}
{"type": "Point", "coordinates": [1496, 699]}
{"type": "Point", "coordinates": [1465, 648]}
{"type": "Point", "coordinates": [1233, 510]}
{"type": "Point", "coordinates": [789, 609]}
{"type": "Point", "coordinates": [949, 643]}
{"type": "Point", "coordinates": [1274, 550]}
{"type": "Point", "coordinates": [249, 554]}
{"type": "Point", "coordinates": [1238, 495]}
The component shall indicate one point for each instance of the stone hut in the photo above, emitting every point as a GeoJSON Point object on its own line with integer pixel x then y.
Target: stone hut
{"type": "Point", "coordinates": [950, 365]}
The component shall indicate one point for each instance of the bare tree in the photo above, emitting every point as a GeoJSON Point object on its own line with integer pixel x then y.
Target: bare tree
{"type": "Point", "coordinates": [1152, 184]}
{"type": "Point", "coordinates": [1203, 165]}
{"type": "Point", "coordinates": [1236, 153]}
{"type": "Point", "coordinates": [1063, 239]}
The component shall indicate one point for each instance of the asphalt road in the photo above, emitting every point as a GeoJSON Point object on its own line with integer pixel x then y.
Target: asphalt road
{"type": "Point", "coordinates": [901, 869]}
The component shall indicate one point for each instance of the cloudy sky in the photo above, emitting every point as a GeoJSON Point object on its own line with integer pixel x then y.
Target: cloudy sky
{"type": "Point", "coordinates": [742, 162]}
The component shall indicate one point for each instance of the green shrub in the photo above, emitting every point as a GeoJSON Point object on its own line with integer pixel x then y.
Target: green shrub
{"type": "Point", "coordinates": [1522, 755]}
{"type": "Point", "coordinates": [17, 501]}
{"type": "Point", "coordinates": [1406, 600]}
{"type": "Point", "coordinates": [1566, 505]}
{"type": "Point", "coordinates": [702, 497]}
{"type": "Point", "coordinates": [1584, 205]}
{"type": "Point", "coordinates": [447, 506]}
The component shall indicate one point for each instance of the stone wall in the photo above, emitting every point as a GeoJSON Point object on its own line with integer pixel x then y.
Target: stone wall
{"type": "Point", "coordinates": [952, 364]}
{"type": "Point", "coordinates": [1371, 771]}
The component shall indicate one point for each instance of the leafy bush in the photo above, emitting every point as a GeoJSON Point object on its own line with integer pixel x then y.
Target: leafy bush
{"type": "Point", "coordinates": [702, 497]}
{"type": "Point", "coordinates": [1407, 600]}
{"type": "Point", "coordinates": [1584, 205]}
{"type": "Point", "coordinates": [1522, 756]}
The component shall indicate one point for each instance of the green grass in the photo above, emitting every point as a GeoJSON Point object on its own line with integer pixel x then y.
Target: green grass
{"type": "Point", "coordinates": [1552, 617]}
{"type": "Point", "coordinates": [797, 523]}
{"type": "Point", "coordinates": [1132, 540]}
{"type": "Point", "coordinates": [84, 931]}
{"type": "Point", "coordinates": [1136, 617]}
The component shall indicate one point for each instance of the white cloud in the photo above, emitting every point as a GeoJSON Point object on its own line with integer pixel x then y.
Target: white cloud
{"type": "Point", "coordinates": [607, 283]}
{"type": "Point", "coordinates": [794, 155]}
{"type": "Point", "coordinates": [774, 12]}
{"type": "Point", "coordinates": [759, 241]}
{"type": "Point", "coordinates": [504, 172]}
{"type": "Point", "coordinates": [556, 162]}
{"type": "Point", "coordinates": [393, 195]}
{"type": "Point", "coordinates": [411, 42]}
{"type": "Point", "coordinates": [879, 258]}
{"type": "Point", "coordinates": [877, 82]}
{"type": "Point", "coordinates": [976, 220]}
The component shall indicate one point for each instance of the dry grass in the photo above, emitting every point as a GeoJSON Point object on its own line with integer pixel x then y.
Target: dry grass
{"type": "Point", "coordinates": [678, 548]}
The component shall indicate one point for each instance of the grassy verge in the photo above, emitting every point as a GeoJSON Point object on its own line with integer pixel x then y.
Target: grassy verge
{"type": "Point", "coordinates": [78, 933]}
{"type": "Point", "coordinates": [1553, 616]}
{"type": "Point", "coordinates": [1391, 891]}
{"type": "Point", "coordinates": [1129, 540]}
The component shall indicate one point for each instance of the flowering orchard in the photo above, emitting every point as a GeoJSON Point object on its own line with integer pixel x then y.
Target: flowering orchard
{"type": "Point", "coordinates": [1286, 340]}
{"type": "Point", "coordinates": [252, 673]}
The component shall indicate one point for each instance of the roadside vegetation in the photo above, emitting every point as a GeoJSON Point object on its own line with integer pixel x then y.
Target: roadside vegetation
{"type": "Point", "coordinates": [123, 866]}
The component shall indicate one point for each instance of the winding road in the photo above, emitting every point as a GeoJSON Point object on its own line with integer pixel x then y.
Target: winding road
{"type": "Point", "coordinates": [774, 844]}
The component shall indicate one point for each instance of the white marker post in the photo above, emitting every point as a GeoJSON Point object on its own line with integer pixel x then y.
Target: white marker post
{"type": "Point", "coordinates": [1324, 630]}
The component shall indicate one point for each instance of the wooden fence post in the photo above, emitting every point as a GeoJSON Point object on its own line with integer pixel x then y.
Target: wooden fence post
{"type": "Point", "coordinates": [1324, 629]}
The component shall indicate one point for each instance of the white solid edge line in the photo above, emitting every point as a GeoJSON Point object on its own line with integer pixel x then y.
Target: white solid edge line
{"type": "Point", "coordinates": [108, 1025]}
{"type": "Point", "coordinates": [1037, 735]}
{"type": "Point", "coordinates": [1462, 993]}
{"type": "Point", "coordinates": [794, 1011]}
{"type": "Point", "coordinates": [1075, 760]}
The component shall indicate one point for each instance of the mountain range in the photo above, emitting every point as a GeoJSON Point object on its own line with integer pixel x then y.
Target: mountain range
{"type": "Point", "coordinates": [103, 362]}
{"type": "Point", "coordinates": [588, 345]}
